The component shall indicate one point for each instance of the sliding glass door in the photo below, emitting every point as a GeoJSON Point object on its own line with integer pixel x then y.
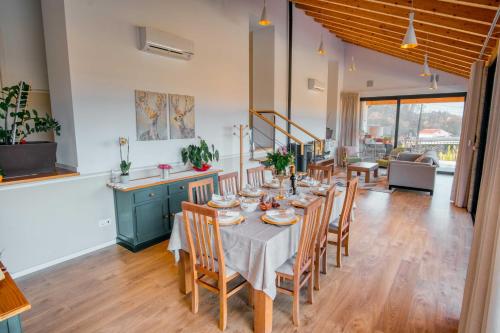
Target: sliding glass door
{"type": "Point", "coordinates": [417, 123]}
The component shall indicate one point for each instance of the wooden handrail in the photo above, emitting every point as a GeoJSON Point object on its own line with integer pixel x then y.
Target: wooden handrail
{"type": "Point", "coordinates": [279, 129]}
{"type": "Point", "coordinates": [294, 124]}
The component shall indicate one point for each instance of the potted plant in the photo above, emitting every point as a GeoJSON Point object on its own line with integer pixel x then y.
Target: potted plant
{"type": "Point", "coordinates": [199, 155]}
{"type": "Point", "coordinates": [280, 160]}
{"type": "Point", "coordinates": [125, 163]}
{"type": "Point", "coordinates": [165, 170]}
{"type": "Point", "coordinates": [19, 157]}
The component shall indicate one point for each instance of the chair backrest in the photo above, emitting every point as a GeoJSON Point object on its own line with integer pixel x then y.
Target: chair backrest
{"type": "Point", "coordinates": [320, 172]}
{"type": "Point", "coordinates": [228, 183]}
{"type": "Point", "coordinates": [203, 237]}
{"type": "Point", "coordinates": [200, 192]}
{"type": "Point", "coordinates": [345, 215]}
{"type": "Point", "coordinates": [255, 176]}
{"type": "Point", "coordinates": [308, 236]}
{"type": "Point", "coordinates": [326, 215]}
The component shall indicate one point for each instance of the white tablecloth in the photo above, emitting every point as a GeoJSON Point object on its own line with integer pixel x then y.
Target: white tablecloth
{"type": "Point", "coordinates": [253, 248]}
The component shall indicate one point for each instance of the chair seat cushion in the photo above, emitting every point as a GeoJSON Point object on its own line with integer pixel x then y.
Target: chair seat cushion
{"type": "Point", "coordinates": [287, 267]}
{"type": "Point", "coordinates": [334, 225]}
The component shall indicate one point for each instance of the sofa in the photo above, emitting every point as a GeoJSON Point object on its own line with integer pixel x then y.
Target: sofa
{"type": "Point", "coordinates": [414, 171]}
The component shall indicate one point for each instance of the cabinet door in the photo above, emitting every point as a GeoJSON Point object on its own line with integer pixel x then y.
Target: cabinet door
{"type": "Point", "coordinates": [149, 221]}
{"type": "Point", "coordinates": [166, 216]}
{"type": "Point", "coordinates": [175, 202]}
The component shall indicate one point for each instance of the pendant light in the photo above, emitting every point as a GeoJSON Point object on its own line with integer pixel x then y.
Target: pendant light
{"type": "Point", "coordinates": [263, 17]}
{"type": "Point", "coordinates": [352, 65]}
{"type": "Point", "coordinates": [434, 82]}
{"type": "Point", "coordinates": [426, 71]}
{"type": "Point", "coordinates": [410, 40]}
{"type": "Point", "coordinates": [321, 49]}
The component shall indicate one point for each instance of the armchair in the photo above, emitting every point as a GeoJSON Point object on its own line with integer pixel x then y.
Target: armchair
{"type": "Point", "coordinates": [412, 171]}
{"type": "Point", "coordinates": [350, 155]}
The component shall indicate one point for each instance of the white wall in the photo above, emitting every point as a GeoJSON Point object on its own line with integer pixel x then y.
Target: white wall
{"type": "Point", "coordinates": [393, 76]}
{"type": "Point", "coordinates": [94, 67]}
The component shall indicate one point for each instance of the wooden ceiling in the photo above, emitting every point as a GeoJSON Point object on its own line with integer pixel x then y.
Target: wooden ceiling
{"type": "Point", "coordinates": [452, 32]}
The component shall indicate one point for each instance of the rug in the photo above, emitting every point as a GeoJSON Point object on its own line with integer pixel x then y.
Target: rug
{"type": "Point", "coordinates": [378, 184]}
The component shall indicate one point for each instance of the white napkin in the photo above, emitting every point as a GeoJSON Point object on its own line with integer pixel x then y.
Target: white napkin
{"type": "Point", "coordinates": [280, 214]}
{"type": "Point", "coordinates": [228, 216]}
{"type": "Point", "coordinates": [223, 199]}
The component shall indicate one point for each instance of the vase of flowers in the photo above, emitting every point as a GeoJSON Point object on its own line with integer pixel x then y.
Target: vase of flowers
{"type": "Point", "coordinates": [165, 170]}
{"type": "Point", "coordinates": [125, 163]}
{"type": "Point", "coordinates": [280, 161]}
{"type": "Point", "coordinates": [200, 155]}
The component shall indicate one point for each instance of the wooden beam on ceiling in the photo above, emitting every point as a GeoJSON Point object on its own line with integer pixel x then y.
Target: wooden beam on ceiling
{"type": "Point", "coordinates": [445, 9]}
{"type": "Point", "coordinates": [467, 56]}
{"type": "Point", "coordinates": [341, 33]}
{"type": "Point", "coordinates": [418, 57]}
{"type": "Point", "coordinates": [329, 8]}
{"type": "Point", "coordinates": [386, 28]}
{"type": "Point", "coordinates": [465, 27]}
{"type": "Point", "coordinates": [487, 4]}
{"type": "Point", "coordinates": [407, 57]}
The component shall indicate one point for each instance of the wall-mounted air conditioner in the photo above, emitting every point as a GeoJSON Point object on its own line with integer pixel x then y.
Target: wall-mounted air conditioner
{"type": "Point", "coordinates": [164, 43]}
{"type": "Point", "coordinates": [314, 84]}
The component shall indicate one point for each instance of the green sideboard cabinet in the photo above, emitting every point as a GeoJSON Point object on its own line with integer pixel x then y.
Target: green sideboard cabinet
{"type": "Point", "coordinates": [145, 213]}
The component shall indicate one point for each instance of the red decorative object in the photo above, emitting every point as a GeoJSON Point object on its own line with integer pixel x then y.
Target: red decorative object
{"type": "Point", "coordinates": [164, 166]}
{"type": "Point", "coordinates": [204, 167]}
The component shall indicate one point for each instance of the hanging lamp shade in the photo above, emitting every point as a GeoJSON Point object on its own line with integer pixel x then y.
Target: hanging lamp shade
{"type": "Point", "coordinates": [352, 65]}
{"type": "Point", "coordinates": [321, 49]}
{"type": "Point", "coordinates": [434, 80]}
{"type": "Point", "coordinates": [426, 71]}
{"type": "Point", "coordinates": [410, 40]}
{"type": "Point", "coordinates": [263, 17]}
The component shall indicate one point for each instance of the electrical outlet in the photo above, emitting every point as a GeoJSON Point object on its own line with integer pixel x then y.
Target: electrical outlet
{"type": "Point", "coordinates": [104, 223]}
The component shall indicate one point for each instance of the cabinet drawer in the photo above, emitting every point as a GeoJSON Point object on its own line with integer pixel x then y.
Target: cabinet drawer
{"type": "Point", "coordinates": [147, 194]}
{"type": "Point", "coordinates": [179, 186]}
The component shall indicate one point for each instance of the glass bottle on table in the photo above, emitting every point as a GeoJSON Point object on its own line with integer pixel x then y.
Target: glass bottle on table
{"type": "Point", "coordinates": [293, 180]}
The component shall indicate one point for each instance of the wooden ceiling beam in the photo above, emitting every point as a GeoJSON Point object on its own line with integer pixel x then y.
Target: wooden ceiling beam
{"type": "Point", "coordinates": [445, 9]}
{"type": "Point", "coordinates": [449, 51]}
{"type": "Point", "coordinates": [373, 26]}
{"type": "Point", "coordinates": [465, 27]}
{"type": "Point", "coordinates": [486, 4]}
{"type": "Point", "coordinates": [409, 58]}
{"type": "Point", "coordinates": [432, 54]}
{"type": "Point", "coordinates": [381, 18]}
{"type": "Point", "coordinates": [415, 55]}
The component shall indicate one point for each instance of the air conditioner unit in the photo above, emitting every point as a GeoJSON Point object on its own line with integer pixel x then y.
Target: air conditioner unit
{"type": "Point", "coordinates": [314, 84]}
{"type": "Point", "coordinates": [164, 43]}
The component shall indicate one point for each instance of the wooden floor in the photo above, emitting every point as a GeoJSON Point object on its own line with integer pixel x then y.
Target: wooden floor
{"type": "Point", "coordinates": [406, 273]}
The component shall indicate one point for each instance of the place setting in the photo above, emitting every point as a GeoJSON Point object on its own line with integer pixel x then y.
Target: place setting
{"type": "Point", "coordinates": [280, 217]}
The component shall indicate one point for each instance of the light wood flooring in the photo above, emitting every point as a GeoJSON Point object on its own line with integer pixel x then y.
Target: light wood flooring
{"type": "Point", "coordinates": [405, 273]}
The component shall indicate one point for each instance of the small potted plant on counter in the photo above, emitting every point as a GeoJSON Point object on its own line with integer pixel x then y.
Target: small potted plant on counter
{"type": "Point", "coordinates": [200, 155]}
{"type": "Point", "coordinates": [18, 156]}
{"type": "Point", "coordinates": [165, 170]}
{"type": "Point", "coordinates": [125, 163]}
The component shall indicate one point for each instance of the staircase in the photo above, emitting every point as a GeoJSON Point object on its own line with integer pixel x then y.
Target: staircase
{"type": "Point", "coordinates": [304, 151]}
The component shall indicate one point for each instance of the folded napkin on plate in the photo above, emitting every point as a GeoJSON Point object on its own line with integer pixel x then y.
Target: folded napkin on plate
{"type": "Point", "coordinates": [280, 212]}
{"type": "Point", "coordinates": [228, 216]}
{"type": "Point", "coordinates": [223, 198]}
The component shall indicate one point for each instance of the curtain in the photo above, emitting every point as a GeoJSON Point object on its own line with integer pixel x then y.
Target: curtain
{"type": "Point", "coordinates": [481, 302]}
{"type": "Point", "coordinates": [349, 122]}
{"type": "Point", "coordinates": [473, 107]}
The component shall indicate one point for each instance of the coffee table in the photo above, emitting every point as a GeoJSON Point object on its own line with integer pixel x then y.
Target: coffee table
{"type": "Point", "coordinates": [365, 167]}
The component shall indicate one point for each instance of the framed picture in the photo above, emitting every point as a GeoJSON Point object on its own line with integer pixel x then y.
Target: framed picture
{"type": "Point", "coordinates": [181, 108]}
{"type": "Point", "coordinates": [151, 115]}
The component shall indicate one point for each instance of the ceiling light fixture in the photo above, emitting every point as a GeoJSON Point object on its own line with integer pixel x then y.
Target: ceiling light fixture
{"type": "Point", "coordinates": [263, 17]}
{"type": "Point", "coordinates": [321, 49]}
{"type": "Point", "coordinates": [410, 40]}
{"type": "Point", "coordinates": [352, 65]}
{"type": "Point", "coordinates": [434, 81]}
{"type": "Point", "coordinates": [426, 71]}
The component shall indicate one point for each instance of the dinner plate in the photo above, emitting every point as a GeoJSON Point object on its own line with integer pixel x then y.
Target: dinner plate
{"type": "Point", "coordinates": [271, 185]}
{"type": "Point", "coordinates": [252, 194]}
{"type": "Point", "coordinates": [228, 221]}
{"type": "Point", "coordinates": [299, 203]}
{"type": "Point", "coordinates": [217, 204]}
{"type": "Point", "coordinates": [294, 219]}
{"type": "Point", "coordinates": [306, 184]}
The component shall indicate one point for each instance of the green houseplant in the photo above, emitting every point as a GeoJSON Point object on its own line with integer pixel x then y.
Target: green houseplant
{"type": "Point", "coordinates": [17, 156]}
{"type": "Point", "coordinates": [280, 160]}
{"type": "Point", "coordinates": [200, 155]}
{"type": "Point", "coordinates": [125, 163]}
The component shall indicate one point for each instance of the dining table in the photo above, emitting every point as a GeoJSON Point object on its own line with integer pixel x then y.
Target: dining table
{"type": "Point", "coordinates": [254, 249]}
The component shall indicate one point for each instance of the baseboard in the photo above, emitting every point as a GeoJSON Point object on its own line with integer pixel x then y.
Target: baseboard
{"type": "Point", "coordinates": [62, 259]}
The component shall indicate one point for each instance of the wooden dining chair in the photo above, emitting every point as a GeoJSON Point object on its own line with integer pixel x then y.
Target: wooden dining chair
{"type": "Point", "coordinates": [340, 226]}
{"type": "Point", "coordinates": [320, 261]}
{"type": "Point", "coordinates": [255, 176]}
{"type": "Point", "coordinates": [299, 270]}
{"type": "Point", "coordinates": [200, 192]}
{"type": "Point", "coordinates": [321, 173]}
{"type": "Point", "coordinates": [206, 257]}
{"type": "Point", "coordinates": [228, 183]}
